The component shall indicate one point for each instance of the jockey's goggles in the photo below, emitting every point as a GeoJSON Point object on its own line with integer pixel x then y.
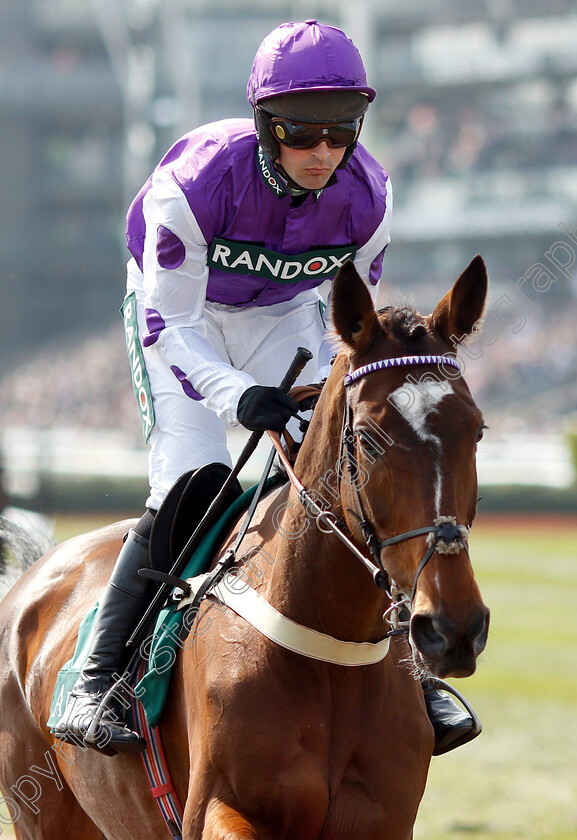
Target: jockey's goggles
{"type": "Point", "coordinates": [306, 135]}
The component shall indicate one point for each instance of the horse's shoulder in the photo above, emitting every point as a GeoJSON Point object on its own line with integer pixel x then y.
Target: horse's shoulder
{"type": "Point", "coordinates": [261, 527]}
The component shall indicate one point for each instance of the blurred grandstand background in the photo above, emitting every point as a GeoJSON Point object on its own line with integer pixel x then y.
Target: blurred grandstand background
{"type": "Point", "coordinates": [476, 120]}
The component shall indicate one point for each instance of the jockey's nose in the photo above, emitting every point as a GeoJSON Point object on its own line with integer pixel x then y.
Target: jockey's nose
{"type": "Point", "coordinates": [322, 150]}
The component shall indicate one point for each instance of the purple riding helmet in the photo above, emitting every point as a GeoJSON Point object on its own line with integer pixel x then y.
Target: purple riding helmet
{"type": "Point", "coordinates": [308, 74]}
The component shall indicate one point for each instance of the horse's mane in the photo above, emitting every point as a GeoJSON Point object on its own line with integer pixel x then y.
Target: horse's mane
{"type": "Point", "coordinates": [404, 322]}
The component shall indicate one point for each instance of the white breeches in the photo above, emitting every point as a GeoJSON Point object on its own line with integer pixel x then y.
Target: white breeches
{"type": "Point", "coordinates": [259, 341]}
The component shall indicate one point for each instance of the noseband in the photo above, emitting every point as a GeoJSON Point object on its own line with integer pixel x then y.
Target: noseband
{"type": "Point", "coordinates": [444, 535]}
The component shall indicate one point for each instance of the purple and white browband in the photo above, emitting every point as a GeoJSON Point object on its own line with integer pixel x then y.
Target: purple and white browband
{"type": "Point", "coordinates": [400, 361]}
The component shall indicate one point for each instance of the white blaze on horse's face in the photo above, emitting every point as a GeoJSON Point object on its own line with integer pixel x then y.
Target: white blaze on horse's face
{"type": "Point", "coordinates": [416, 401]}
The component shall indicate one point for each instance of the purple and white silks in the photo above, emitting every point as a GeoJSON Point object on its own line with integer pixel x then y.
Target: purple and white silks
{"type": "Point", "coordinates": [214, 225]}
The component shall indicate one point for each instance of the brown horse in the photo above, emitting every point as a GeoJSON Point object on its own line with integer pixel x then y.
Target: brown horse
{"type": "Point", "coordinates": [263, 742]}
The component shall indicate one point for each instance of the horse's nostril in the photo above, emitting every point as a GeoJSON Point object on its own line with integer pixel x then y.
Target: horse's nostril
{"type": "Point", "coordinates": [428, 635]}
{"type": "Point", "coordinates": [477, 636]}
{"type": "Point", "coordinates": [444, 647]}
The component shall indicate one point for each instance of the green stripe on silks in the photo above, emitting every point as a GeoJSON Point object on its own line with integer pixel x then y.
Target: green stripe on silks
{"type": "Point", "coordinates": [153, 688]}
{"type": "Point", "coordinates": [139, 374]}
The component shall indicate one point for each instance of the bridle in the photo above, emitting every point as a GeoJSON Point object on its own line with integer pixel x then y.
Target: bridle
{"type": "Point", "coordinates": [444, 536]}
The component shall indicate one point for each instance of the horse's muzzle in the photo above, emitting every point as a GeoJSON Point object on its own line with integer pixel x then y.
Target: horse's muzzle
{"type": "Point", "coordinates": [447, 649]}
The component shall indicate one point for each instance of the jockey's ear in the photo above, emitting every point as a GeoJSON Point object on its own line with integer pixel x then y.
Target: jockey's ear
{"type": "Point", "coordinates": [353, 313]}
{"type": "Point", "coordinates": [461, 310]}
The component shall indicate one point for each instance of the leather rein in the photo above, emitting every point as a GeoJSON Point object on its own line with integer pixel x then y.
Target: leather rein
{"type": "Point", "coordinates": [444, 536]}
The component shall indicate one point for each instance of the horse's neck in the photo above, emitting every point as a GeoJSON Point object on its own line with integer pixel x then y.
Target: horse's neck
{"type": "Point", "coordinates": [318, 460]}
{"type": "Point", "coordinates": [316, 580]}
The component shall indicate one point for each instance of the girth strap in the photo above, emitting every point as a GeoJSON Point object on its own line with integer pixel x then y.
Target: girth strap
{"type": "Point", "coordinates": [156, 768]}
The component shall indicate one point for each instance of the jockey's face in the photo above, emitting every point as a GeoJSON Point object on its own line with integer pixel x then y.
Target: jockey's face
{"type": "Point", "coordinates": [311, 168]}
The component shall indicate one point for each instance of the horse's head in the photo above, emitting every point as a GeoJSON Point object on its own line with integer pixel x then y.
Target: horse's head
{"type": "Point", "coordinates": [413, 428]}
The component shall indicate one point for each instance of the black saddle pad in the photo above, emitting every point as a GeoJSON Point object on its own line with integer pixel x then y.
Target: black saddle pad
{"type": "Point", "coordinates": [183, 508]}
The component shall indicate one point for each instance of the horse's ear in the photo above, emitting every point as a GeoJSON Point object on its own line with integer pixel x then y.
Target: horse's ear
{"type": "Point", "coordinates": [354, 315]}
{"type": "Point", "coordinates": [461, 310]}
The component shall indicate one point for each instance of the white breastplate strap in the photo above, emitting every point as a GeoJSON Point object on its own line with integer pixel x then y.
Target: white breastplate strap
{"type": "Point", "coordinates": [244, 601]}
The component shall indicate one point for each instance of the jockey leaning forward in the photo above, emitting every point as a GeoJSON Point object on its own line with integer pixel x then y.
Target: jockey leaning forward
{"type": "Point", "coordinates": [230, 239]}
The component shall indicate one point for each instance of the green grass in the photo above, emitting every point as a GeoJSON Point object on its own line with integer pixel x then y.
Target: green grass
{"type": "Point", "coordinates": [519, 778]}
{"type": "Point", "coordinates": [69, 525]}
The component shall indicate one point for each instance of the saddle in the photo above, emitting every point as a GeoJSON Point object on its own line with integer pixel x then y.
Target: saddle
{"type": "Point", "coordinates": [187, 501]}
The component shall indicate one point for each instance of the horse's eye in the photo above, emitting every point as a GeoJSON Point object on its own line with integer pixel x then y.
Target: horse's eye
{"type": "Point", "coordinates": [480, 432]}
{"type": "Point", "coordinates": [369, 444]}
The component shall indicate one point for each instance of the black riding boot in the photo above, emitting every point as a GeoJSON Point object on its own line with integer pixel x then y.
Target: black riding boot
{"type": "Point", "coordinates": [453, 727]}
{"type": "Point", "coordinates": [125, 599]}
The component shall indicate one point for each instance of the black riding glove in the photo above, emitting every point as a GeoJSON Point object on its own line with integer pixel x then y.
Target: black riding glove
{"type": "Point", "coordinates": [261, 408]}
